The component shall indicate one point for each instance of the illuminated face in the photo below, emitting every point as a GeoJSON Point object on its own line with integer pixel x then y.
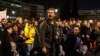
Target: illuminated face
{"type": "Point", "coordinates": [76, 30]}
{"type": "Point", "coordinates": [4, 22]}
{"type": "Point", "coordinates": [98, 24]}
{"type": "Point", "coordinates": [51, 14]}
{"type": "Point", "coordinates": [20, 20]}
{"type": "Point", "coordinates": [85, 22]}
{"type": "Point", "coordinates": [60, 23]}
{"type": "Point", "coordinates": [9, 30]}
{"type": "Point", "coordinates": [25, 20]}
{"type": "Point", "coordinates": [88, 25]}
{"type": "Point", "coordinates": [66, 24]}
{"type": "Point", "coordinates": [15, 28]}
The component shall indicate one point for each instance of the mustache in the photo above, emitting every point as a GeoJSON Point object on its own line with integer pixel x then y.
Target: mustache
{"type": "Point", "coordinates": [50, 16]}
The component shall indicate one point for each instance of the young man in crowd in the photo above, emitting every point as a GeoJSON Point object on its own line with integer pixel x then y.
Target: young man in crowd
{"type": "Point", "coordinates": [73, 43]}
{"type": "Point", "coordinates": [47, 33]}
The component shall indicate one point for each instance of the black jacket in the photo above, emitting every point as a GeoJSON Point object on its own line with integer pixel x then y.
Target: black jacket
{"type": "Point", "coordinates": [46, 32]}
{"type": "Point", "coordinates": [71, 45]}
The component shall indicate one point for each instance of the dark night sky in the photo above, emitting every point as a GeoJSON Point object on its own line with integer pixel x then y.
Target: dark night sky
{"type": "Point", "coordinates": [89, 4]}
{"type": "Point", "coordinates": [82, 4]}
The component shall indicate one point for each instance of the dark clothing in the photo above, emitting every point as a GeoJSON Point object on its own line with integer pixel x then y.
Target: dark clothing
{"type": "Point", "coordinates": [18, 38]}
{"type": "Point", "coordinates": [5, 42]}
{"type": "Point", "coordinates": [6, 46]}
{"type": "Point", "coordinates": [71, 45]}
{"type": "Point", "coordinates": [64, 33]}
{"type": "Point", "coordinates": [20, 46]}
{"type": "Point", "coordinates": [92, 52]}
{"type": "Point", "coordinates": [15, 37]}
{"type": "Point", "coordinates": [95, 34]}
{"type": "Point", "coordinates": [1, 36]}
{"type": "Point", "coordinates": [59, 33]}
{"type": "Point", "coordinates": [22, 49]}
{"type": "Point", "coordinates": [20, 32]}
{"type": "Point", "coordinates": [57, 42]}
{"type": "Point", "coordinates": [47, 32]}
{"type": "Point", "coordinates": [85, 30]}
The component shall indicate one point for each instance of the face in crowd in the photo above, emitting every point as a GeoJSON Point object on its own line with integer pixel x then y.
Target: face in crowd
{"type": "Point", "coordinates": [25, 21]}
{"type": "Point", "coordinates": [51, 13]}
{"type": "Point", "coordinates": [20, 20]}
{"type": "Point", "coordinates": [15, 28]}
{"type": "Point", "coordinates": [10, 30]}
{"type": "Point", "coordinates": [31, 24]}
{"type": "Point", "coordinates": [4, 21]}
{"type": "Point", "coordinates": [76, 30]}
{"type": "Point", "coordinates": [85, 23]}
{"type": "Point", "coordinates": [71, 23]}
{"type": "Point", "coordinates": [66, 24]}
{"type": "Point", "coordinates": [98, 24]}
{"type": "Point", "coordinates": [88, 25]}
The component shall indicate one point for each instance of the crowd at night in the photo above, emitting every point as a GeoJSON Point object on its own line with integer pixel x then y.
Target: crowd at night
{"type": "Point", "coordinates": [49, 36]}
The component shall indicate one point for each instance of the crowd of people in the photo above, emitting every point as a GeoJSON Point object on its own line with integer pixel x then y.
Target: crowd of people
{"type": "Point", "coordinates": [49, 36]}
